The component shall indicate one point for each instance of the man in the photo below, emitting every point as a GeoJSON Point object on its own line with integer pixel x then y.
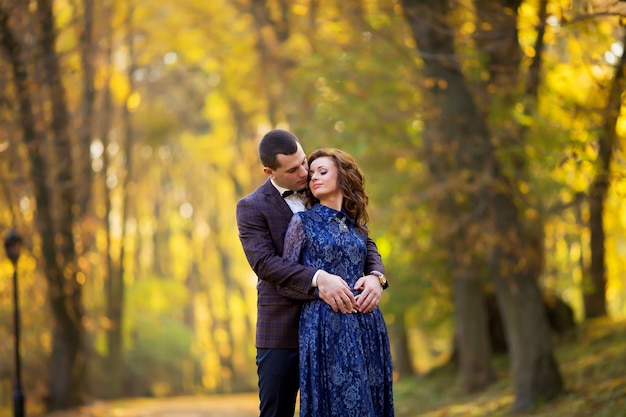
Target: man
{"type": "Point", "coordinates": [262, 219]}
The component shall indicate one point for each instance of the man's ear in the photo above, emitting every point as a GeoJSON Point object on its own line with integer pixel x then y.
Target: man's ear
{"type": "Point", "coordinates": [269, 172]}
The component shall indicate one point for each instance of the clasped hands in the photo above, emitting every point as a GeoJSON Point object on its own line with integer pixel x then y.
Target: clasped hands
{"type": "Point", "coordinates": [338, 295]}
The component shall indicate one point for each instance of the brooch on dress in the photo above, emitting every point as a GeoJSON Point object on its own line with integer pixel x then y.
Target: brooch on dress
{"type": "Point", "coordinates": [342, 224]}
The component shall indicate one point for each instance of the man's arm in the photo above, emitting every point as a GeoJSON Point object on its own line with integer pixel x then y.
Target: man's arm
{"type": "Point", "coordinates": [369, 285]}
{"type": "Point", "coordinates": [374, 261]}
{"type": "Point", "coordinates": [262, 254]}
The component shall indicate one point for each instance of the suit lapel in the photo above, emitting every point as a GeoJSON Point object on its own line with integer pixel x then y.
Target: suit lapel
{"type": "Point", "coordinates": [276, 200]}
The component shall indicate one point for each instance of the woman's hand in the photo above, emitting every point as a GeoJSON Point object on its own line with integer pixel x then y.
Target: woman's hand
{"type": "Point", "coordinates": [371, 291]}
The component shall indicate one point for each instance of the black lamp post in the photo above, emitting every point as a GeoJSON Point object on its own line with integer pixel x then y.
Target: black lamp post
{"type": "Point", "coordinates": [12, 245]}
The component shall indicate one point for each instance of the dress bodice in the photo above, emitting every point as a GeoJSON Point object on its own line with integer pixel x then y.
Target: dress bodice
{"type": "Point", "coordinates": [327, 239]}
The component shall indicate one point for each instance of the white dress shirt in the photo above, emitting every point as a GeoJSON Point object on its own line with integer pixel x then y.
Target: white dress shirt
{"type": "Point", "coordinates": [295, 201]}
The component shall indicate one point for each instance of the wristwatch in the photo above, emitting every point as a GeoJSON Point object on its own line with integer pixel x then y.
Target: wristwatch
{"type": "Point", "coordinates": [382, 278]}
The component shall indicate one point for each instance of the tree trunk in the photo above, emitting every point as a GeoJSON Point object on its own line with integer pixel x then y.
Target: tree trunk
{"type": "Point", "coordinates": [594, 287]}
{"type": "Point", "coordinates": [111, 267]}
{"type": "Point", "coordinates": [85, 170]}
{"type": "Point", "coordinates": [67, 370]}
{"type": "Point", "coordinates": [117, 286]}
{"type": "Point", "coordinates": [515, 270]}
{"type": "Point", "coordinates": [272, 24]}
{"type": "Point", "coordinates": [189, 313]}
{"type": "Point", "coordinates": [474, 347]}
{"type": "Point", "coordinates": [38, 171]}
{"type": "Point", "coordinates": [162, 255]}
{"type": "Point", "coordinates": [457, 170]}
{"type": "Point", "coordinates": [594, 295]}
{"type": "Point", "coordinates": [402, 363]}
{"type": "Point", "coordinates": [517, 259]}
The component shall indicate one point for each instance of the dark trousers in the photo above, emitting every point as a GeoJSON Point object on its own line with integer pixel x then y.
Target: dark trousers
{"type": "Point", "coordinates": [279, 381]}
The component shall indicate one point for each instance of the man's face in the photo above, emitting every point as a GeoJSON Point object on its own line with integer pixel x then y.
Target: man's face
{"type": "Point", "coordinates": [292, 172]}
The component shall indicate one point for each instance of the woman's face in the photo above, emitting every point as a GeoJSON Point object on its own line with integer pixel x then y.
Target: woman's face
{"type": "Point", "coordinates": [323, 177]}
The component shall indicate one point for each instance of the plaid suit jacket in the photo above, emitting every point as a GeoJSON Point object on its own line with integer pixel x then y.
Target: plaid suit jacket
{"type": "Point", "coordinates": [262, 220]}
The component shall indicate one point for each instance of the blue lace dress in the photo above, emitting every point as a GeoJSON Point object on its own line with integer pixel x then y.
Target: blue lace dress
{"type": "Point", "coordinates": [345, 359]}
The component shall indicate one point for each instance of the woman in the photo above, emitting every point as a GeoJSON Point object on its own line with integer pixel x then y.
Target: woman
{"type": "Point", "coordinates": [345, 360]}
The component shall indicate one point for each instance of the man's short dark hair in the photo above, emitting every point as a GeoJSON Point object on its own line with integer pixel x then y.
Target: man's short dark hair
{"type": "Point", "coordinates": [276, 142]}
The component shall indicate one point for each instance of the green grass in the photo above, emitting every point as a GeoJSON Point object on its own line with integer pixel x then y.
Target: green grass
{"type": "Point", "coordinates": [592, 362]}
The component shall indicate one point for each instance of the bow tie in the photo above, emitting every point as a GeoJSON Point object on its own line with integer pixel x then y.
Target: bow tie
{"type": "Point", "coordinates": [290, 192]}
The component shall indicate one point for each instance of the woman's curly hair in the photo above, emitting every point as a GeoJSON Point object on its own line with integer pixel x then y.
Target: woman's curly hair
{"type": "Point", "coordinates": [351, 182]}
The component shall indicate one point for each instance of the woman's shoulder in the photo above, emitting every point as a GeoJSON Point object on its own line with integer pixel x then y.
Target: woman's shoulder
{"type": "Point", "coordinates": [306, 217]}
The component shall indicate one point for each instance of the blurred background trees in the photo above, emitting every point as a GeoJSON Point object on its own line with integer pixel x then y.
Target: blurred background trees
{"type": "Point", "coordinates": [490, 132]}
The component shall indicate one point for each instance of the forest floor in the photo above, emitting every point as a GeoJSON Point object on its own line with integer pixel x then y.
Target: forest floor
{"type": "Point", "coordinates": [231, 405]}
{"type": "Point", "coordinates": [592, 361]}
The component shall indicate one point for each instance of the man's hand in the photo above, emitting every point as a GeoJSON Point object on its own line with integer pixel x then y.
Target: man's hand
{"type": "Point", "coordinates": [336, 292]}
{"type": "Point", "coordinates": [371, 291]}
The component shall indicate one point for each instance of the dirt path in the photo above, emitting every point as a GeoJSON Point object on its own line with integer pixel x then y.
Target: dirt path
{"type": "Point", "coordinates": [232, 405]}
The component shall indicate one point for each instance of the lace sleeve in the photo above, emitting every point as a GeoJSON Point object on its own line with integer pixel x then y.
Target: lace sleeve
{"type": "Point", "coordinates": [292, 249]}
{"type": "Point", "coordinates": [294, 239]}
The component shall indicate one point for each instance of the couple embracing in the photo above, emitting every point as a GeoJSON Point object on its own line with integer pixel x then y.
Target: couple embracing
{"type": "Point", "coordinates": [320, 278]}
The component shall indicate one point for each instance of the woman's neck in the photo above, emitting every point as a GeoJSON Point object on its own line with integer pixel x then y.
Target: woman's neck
{"type": "Point", "coordinates": [334, 202]}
